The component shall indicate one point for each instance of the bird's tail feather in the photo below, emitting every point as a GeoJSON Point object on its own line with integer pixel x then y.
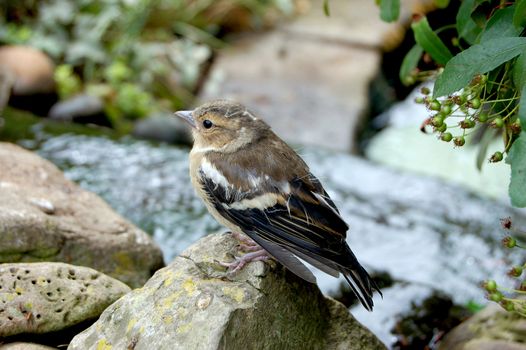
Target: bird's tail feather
{"type": "Point", "coordinates": [361, 284]}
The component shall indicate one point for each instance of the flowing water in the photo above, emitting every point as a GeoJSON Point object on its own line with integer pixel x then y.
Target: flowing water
{"type": "Point", "coordinates": [426, 234]}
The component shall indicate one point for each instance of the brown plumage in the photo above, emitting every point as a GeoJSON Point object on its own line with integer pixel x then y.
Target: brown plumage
{"type": "Point", "coordinates": [253, 182]}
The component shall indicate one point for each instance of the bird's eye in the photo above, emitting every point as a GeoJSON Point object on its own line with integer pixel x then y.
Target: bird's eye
{"type": "Point", "coordinates": [207, 124]}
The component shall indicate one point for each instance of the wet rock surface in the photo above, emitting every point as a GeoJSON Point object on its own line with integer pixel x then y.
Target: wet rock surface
{"type": "Point", "coordinates": [193, 304]}
{"type": "Point", "coordinates": [46, 297]}
{"type": "Point", "coordinates": [45, 217]}
{"type": "Point", "coordinates": [426, 234]}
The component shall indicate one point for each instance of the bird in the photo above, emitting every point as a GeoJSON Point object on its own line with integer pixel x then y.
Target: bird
{"type": "Point", "coordinates": [256, 185]}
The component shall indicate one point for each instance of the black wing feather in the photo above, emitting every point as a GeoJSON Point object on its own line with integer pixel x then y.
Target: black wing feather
{"type": "Point", "coordinates": [306, 224]}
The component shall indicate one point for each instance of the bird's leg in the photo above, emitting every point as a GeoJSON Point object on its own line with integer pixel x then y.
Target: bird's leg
{"type": "Point", "coordinates": [246, 243]}
{"type": "Point", "coordinates": [239, 263]}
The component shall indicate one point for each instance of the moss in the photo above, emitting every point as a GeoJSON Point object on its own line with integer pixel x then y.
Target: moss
{"type": "Point", "coordinates": [19, 125]}
{"type": "Point", "coordinates": [6, 257]}
{"type": "Point", "coordinates": [44, 253]}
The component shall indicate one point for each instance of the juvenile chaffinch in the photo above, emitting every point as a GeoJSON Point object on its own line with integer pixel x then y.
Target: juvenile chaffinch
{"type": "Point", "coordinates": [252, 182]}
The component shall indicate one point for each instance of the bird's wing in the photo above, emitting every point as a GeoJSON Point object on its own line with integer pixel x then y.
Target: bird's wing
{"type": "Point", "coordinates": [275, 200]}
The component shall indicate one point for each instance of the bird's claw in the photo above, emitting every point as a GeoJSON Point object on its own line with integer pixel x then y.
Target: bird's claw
{"type": "Point", "coordinates": [240, 262]}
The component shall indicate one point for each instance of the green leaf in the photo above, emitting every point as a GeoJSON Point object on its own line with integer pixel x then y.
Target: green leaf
{"type": "Point", "coordinates": [478, 59]}
{"type": "Point", "coordinates": [430, 42]}
{"type": "Point", "coordinates": [519, 17]}
{"type": "Point", "coordinates": [326, 8]}
{"type": "Point", "coordinates": [467, 28]}
{"type": "Point", "coordinates": [500, 25]}
{"type": "Point", "coordinates": [522, 107]}
{"type": "Point", "coordinates": [519, 71]}
{"type": "Point", "coordinates": [389, 10]}
{"type": "Point", "coordinates": [517, 159]}
{"type": "Point", "coordinates": [410, 62]}
{"type": "Point", "coordinates": [441, 4]}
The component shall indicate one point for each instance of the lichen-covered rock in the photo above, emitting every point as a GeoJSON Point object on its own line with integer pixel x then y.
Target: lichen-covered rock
{"type": "Point", "coordinates": [490, 329]}
{"type": "Point", "coordinates": [191, 304]}
{"type": "Point", "coordinates": [45, 217]}
{"type": "Point", "coordinates": [24, 346]}
{"type": "Point", "coordinates": [46, 297]}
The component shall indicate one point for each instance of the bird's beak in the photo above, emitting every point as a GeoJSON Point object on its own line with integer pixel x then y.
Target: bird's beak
{"type": "Point", "coordinates": [187, 117]}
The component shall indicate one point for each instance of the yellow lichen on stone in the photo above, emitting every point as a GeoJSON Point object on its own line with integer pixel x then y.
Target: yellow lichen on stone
{"type": "Point", "coordinates": [184, 328]}
{"type": "Point", "coordinates": [103, 345]}
{"type": "Point", "coordinates": [168, 301]}
{"type": "Point", "coordinates": [236, 293]}
{"type": "Point", "coordinates": [19, 290]}
{"type": "Point", "coordinates": [182, 312]}
{"type": "Point", "coordinates": [132, 323]}
{"type": "Point", "coordinates": [168, 319]}
{"type": "Point", "coordinates": [189, 286]}
{"type": "Point", "coordinates": [41, 281]}
{"type": "Point", "coordinates": [168, 281]}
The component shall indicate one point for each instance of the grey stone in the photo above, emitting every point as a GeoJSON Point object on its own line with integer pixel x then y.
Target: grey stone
{"type": "Point", "coordinates": [46, 297]}
{"type": "Point", "coordinates": [45, 217]}
{"type": "Point", "coordinates": [308, 79]}
{"type": "Point", "coordinates": [24, 346]}
{"type": "Point", "coordinates": [81, 108]}
{"type": "Point", "coordinates": [163, 127]}
{"type": "Point", "coordinates": [193, 304]}
{"type": "Point", "coordinates": [490, 329]}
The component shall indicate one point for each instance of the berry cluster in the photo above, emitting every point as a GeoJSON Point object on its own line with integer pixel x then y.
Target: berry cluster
{"type": "Point", "coordinates": [495, 292]}
{"type": "Point", "coordinates": [483, 103]}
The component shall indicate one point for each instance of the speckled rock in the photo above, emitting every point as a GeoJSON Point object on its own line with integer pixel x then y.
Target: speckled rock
{"type": "Point", "coordinates": [46, 297]}
{"type": "Point", "coordinates": [24, 346]}
{"type": "Point", "coordinates": [192, 304]}
{"type": "Point", "coordinates": [490, 329]}
{"type": "Point", "coordinates": [45, 217]}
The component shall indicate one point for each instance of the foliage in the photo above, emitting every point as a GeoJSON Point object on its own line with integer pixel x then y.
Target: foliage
{"type": "Point", "coordinates": [480, 79]}
{"type": "Point", "coordinates": [138, 55]}
{"type": "Point", "coordinates": [510, 299]}
{"type": "Point", "coordinates": [480, 87]}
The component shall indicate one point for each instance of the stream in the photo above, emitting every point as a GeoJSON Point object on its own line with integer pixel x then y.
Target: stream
{"type": "Point", "coordinates": [427, 235]}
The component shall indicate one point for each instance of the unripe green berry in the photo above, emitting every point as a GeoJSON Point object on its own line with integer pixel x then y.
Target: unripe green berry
{"type": "Point", "coordinates": [508, 306]}
{"type": "Point", "coordinates": [459, 141]}
{"type": "Point", "coordinates": [509, 242]}
{"type": "Point", "coordinates": [425, 90]}
{"type": "Point", "coordinates": [442, 127]}
{"type": "Point", "coordinates": [467, 124]}
{"type": "Point", "coordinates": [409, 80]}
{"type": "Point", "coordinates": [419, 99]}
{"type": "Point", "coordinates": [496, 157]}
{"type": "Point", "coordinates": [437, 121]}
{"type": "Point", "coordinates": [434, 105]}
{"type": "Point", "coordinates": [455, 42]}
{"type": "Point", "coordinates": [475, 103]}
{"type": "Point", "coordinates": [446, 109]}
{"type": "Point", "coordinates": [497, 296]}
{"type": "Point", "coordinates": [515, 271]}
{"type": "Point", "coordinates": [498, 122]}
{"type": "Point", "coordinates": [446, 136]}
{"type": "Point", "coordinates": [490, 286]}
{"type": "Point", "coordinates": [483, 117]}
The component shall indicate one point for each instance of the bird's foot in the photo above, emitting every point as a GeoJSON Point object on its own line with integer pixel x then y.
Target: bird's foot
{"type": "Point", "coordinates": [240, 262]}
{"type": "Point", "coordinates": [246, 243]}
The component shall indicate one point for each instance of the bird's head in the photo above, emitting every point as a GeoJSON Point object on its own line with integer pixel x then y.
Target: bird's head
{"type": "Point", "coordinates": [223, 126]}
